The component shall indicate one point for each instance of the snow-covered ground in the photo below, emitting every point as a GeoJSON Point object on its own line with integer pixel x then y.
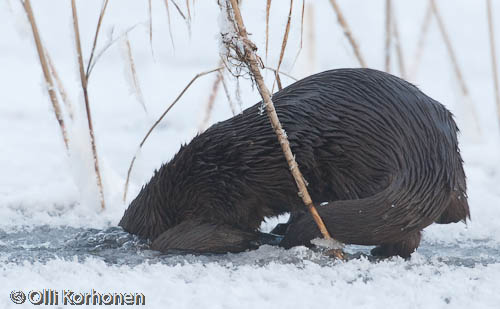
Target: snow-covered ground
{"type": "Point", "coordinates": [53, 235]}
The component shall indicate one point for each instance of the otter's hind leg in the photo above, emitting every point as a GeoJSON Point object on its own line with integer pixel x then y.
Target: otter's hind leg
{"type": "Point", "coordinates": [204, 237]}
{"type": "Point", "coordinates": [403, 248]}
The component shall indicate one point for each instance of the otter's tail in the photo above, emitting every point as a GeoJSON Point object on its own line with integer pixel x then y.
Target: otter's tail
{"type": "Point", "coordinates": [389, 216]}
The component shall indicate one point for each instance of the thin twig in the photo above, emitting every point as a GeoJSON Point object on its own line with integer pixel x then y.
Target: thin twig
{"type": "Point", "coordinates": [226, 91]}
{"type": "Point", "coordinates": [450, 49]}
{"type": "Point", "coordinates": [282, 73]}
{"type": "Point", "coordinates": [453, 58]}
{"type": "Point", "coordinates": [399, 48]}
{"type": "Point", "coordinates": [493, 56]}
{"type": "Point", "coordinates": [156, 124]}
{"type": "Point", "coordinates": [150, 27]}
{"type": "Point", "coordinates": [83, 78]}
{"type": "Point", "coordinates": [169, 24]}
{"type": "Point", "coordinates": [301, 35]}
{"type": "Point", "coordinates": [268, 9]}
{"type": "Point", "coordinates": [348, 33]}
{"type": "Point", "coordinates": [99, 22]}
{"type": "Point", "coordinates": [424, 30]}
{"type": "Point", "coordinates": [388, 36]}
{"type": "Point", "coordinates": [250, 59]}
{"type": "Point", "coordinates": [283, 44]}
{"type": "Point", "coordinates": [133, 73]}
{"type": "Point", "coordinates": [108, 45]}
{"type": "Point", "coordinates": [210, 103]}
{"type": "Point", "coordinates": [60, 86]}
{"type": "Point", "coordinates": [46, 71]}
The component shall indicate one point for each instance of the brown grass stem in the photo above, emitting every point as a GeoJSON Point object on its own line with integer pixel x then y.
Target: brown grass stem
{"type": "Point", "coordinates": [210, 104]}
{"type": "Point", "coordinates": [83, 78]}
{"type": "Point", "coordinates": [399, 48]}
{"type": "Point", "coordinates": [46, 71]}
{"type": "Point", "coordinates": [388, 36]}
{"type": "Point", "coordinates": [156, 124]}
{"type": "Point", "coordinates": [169, 24]}
{"type": "Point", "coordinates": [348, 33]}
{"type": "Point", "coordinates": [283, 44]}
{"type": "Point", "coordinates": [494, 67]}
{"type": "Point", "coordinates": [424, 30]}
{"type": "Point", "coordinates": [268, 9]}
{"type": "Point", "coordinates": [60, 86]}
{"type": "Point", "coordinates": [226, 91]}
{"type": "Point", "coordinates": [98, 28]}
{"type": "Point", "coordinates": [133, 73]}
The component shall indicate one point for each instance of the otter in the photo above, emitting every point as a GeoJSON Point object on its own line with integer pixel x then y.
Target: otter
{"type": "Point", "coordinates": [380, 157]}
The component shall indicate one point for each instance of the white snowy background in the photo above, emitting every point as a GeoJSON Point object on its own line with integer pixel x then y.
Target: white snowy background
{"type": "Point", "coordinates": [44, 189]}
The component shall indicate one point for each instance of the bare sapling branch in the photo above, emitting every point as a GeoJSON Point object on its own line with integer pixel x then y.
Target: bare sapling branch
{"type": "Point", "coordinates": [46, 71]}
{"type": "Point", "coordinates": [98, 28]}
{"type": "Point", "coordinates": [348, 33]}
{"type": "Point", "coordinates": [388, 36]}
{"type": "Point", "coordinates": [242, 46]}
{"type": "Point", "coordinates": [493, 56]}
{"type": "Point", "coordinates": [156, 124]}
{"type": "Point", "coordinates": [83, 78]}
{"type": "Point", "coordinates": [424, 30]}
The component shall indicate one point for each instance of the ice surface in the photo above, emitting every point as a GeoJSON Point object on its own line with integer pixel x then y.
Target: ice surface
{"type": "Point", "coordinates": [53, 235]}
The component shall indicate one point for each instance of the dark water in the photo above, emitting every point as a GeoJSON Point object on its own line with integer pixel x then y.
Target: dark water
{"type": "Point", "coordinates": [116, 247]}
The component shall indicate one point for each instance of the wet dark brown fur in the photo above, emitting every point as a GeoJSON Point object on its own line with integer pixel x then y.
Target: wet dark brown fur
{"type": "Point", "coordinates": [381, 153]}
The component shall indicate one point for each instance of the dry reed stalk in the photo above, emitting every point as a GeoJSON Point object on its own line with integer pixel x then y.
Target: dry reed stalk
{"type": "Point", "coordinates": [60, 86]}
{"type": "Point", "coordinates": [179, 10]}
{"type": "Point", "coordinates": [83, 78]}
{"type": "Point", "coordinates": [150, 12]}
{"type": "Point", "coordinates": [493, 56]}
{"type": "Point", "coordinates": [268, 9]}
{"type": "Point", "coordinates": [311, 38]}
{"type": "Point", "coordinates": [283, 45]}
{"type": "Point", "coordinates": [226, 91]}
{"type": "Point", "coordinates": [46, 71]}
{"type": "Point", "coordinates": [156, 124]}
{"type": "Point", "coordinates": [250, 59]}
{"type": "Point", "coordinates": [348, 33]}
{"type": "Point", "coordinates": [449, 47]}
{"type": "Point", "coordinates": [188, 9]}
{"type": "Point", "coordinates": [388, 36]}
{"type": "Point", "coordinates": [210, 103]}
{"type": "Point", "coordinates": [98, 28]}
{"type": "Point", "coordinates": [453, 58]}
{"type": "Point", "coordinates": [301, 35]}
{"type": "Point", "coordinates": [133, 72]}
{"type": "Point", "coordinates": [424, 30]}
{"type": "Point", "coordinates": [169, 24]}
{"type": "Point", "coordinates": [399, 48]}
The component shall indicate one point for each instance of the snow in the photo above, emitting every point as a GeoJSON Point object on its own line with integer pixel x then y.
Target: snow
{"type": "Point", "coordinates": [48, 200]}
